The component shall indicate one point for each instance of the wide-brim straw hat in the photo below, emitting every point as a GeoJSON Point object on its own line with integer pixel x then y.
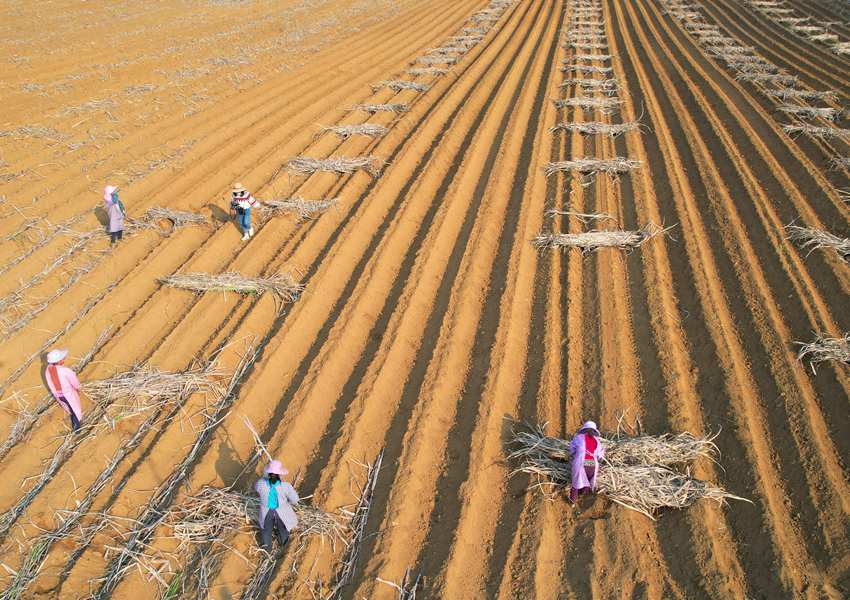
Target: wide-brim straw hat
{"type": "Point", "coordinates": [54, 356]}
{"type": "Point", "coordinates": [239, 189]}
{"type": "Point", "coordinates": [589, 426]}
{"type": "Point", "coordinates": [277, 468]}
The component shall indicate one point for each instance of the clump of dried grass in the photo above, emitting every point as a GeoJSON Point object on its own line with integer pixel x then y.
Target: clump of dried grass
{"type": "Point", "coordinates": [376, 108]}
{"type": "Point", "coordinates": [824, 38]}
{"type": "Point", "coordinates": [597, 128]}
{"type": "Point", "coordinates": [304, 209]}
{"type": "Point", "coordinates": [587, 69]}
{"type": "Point", "coordinates": [840, 162]}
{"type": "Point", "coordinates": [366, 129]}
{"type": "Point", "coordinates": [606, 86]}
{"type": "Point", "coordinates": [283, 286]}
{"type": "Point", "coordinates": [178, 218]}
{"type": "Point", "coordinates": [397, 85]}
{"type": "Point", "coordinates": [591, 57]}
{"type": "Point", "coordinates": [825, 349]}
{"type": "Point", "coordinates": [604, 105]}
{"type": "Point", "coordinates": [591, 241]}
{"type": "Point", "coordinates": [809, 112]}
{"type": "Point", "coordinates": [635, 472]}
{"type": "Point", "coordinates": [427, 71]}
{"type": "Point", "coordinates": [842, 49]}
{"type": "Point", "coordinates": [815, 239]}
{"type": "Point", "coordinates": [461, 49]}
{"type": "Point", "coordinates": [819, 132]}
{"type": "Point", "coordinates": [781, 79]}
{"type": "Point", "coordinates": [586, 46]}
{"type": "Point", "coordinates": [341, 165]}
{"type": "Point", "coordinates": [612, 167]}
{"type": "Point", "coordinates": [791, 93]}
{"type": "Point", "coordinates": [437, 59]}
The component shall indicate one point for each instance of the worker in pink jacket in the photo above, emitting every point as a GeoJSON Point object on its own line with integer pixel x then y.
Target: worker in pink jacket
{"type": "Point", "coordinates": [64, 385]}
{"type": "Point", "coordinates": [587, 450]}
{"type": "Point", "coordinates": [277, 499]}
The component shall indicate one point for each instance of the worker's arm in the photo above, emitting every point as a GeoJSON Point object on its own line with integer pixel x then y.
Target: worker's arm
{"type": "Point", "coordinates": [72, 379]}
{"type": "Point", "coordinates": [290, 493]}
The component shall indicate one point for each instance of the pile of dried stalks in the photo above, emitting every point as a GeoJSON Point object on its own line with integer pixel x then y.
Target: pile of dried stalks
{"type": "Point", "coordinates": [815, 239]}
{"type": "Point", "coordinates": [591, 57]}
{"type": "Point", "coordinates": [427, 71]}
{"type": "Point", "coordinates": [774, 78]}
{"type": "Point", "coordinates": [840, 162]}
{"type": "Point", "coordinates": [597, 128]}
{"type": "Point", "coordinates": [212, 513]}
{"type": "Point", "coordinates": [809, 112]}
{"type": "Point", "coordinates": [342, 165]}
{"type": "Point", "coordinates": [397, 85]}
{"type": "Point", "coordinates": [304, 209]}
{"type": "Point", "coordinates": [606, 106]}
{"type": "Point", "coordinates": [606, 86]}
{"type": "Point", "coordinates": [437, 59]}
{"type": "Point", "coordinates": [394, 107]}
{"type": "Point", "coordinates": [843, 48]}
{"type": "Point", "coordinates": [346, 131]}
{"type": "Point", "coordinates": [792, 93]}
{"type": "Point", "coordinates": [613, 167]}
{"type": "Point", "coordinates": [825, 349]}
{"type": "Point", "coordinates": [819, 132]}
{"type": "Point", "coordinates": [591, 241]}
{"type": "Point", "coordinates": [635, 472]}
{"type": "Point", "coordinates": [283, 286]}
{"type": "Point", "coordinates": [587, 69]}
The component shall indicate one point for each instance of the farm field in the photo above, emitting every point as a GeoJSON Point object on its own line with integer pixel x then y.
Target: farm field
{"type": "Point", "coordinates": [468, 273]}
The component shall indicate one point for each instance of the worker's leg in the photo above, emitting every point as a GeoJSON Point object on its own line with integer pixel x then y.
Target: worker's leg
{"type": "Point", "coordinates": [282, 531]}
{"type": "Point", "coordinates": [113, 237]}
{"type": "Point", "coordinates": [75, 422]}
{"type": "Point", "coordinates": [268, 526]}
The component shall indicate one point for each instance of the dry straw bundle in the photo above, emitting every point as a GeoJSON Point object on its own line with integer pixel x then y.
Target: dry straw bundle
{"type": "Point", "coordinates": [819, 132]}
{"type": "Point", "coordinates": [809, 112]}
{"type": "Point", "coordinates": [449, 50]}
{"type": "Point", "coordinates": [587, 69]}
{"type": "Point", "coordinates": [613, 167]}
{"type": "Point", "coordinates": [840, 162]}
{"type": "Point", "coordinates": [825, 349]}
{"type": "Point", "coordinates": [602, 57]}
{"type": "Point", "coordinates": [824, 38]}
{"type": "Point", "coordinates": [342, 165]}
{"type": "Point", "coordinates": [283, 286]}
{"type": "Point", "coordinates": [398, 85]}
{"type": "Point", "coordinates": [635, 472]}
{"type": "Point", "coordinates": [606, 106]}
{"type": "Point", "coordinates": [843, 48]}
{"type": "Point", "coordinates": [774, 78]}
{"type": "Point", "coordinates": [597, 128]}
{"type": "Point", "coordinates": [606, 86]}
{"type": "Point", "coordinates": [791, 93]}
{"type": "Point", "coordinates": [591, 241]}
{"type": "Point", "coordinates": [304, 209]}
{"type": "Point", "coordinates": [815, 239]}
{"type": "Point", "coordinates": [376, 108]}
{"type": "Point", "coordinates": [586, 47]}
{"type": "Point", "coordinates": [365, 129]}
{"type": "Point", "coordinates": [427, 71]}
{"type": "Point", "coordinates": [212, 513]}
{"type": "Point", "coordinates": [437, 59]}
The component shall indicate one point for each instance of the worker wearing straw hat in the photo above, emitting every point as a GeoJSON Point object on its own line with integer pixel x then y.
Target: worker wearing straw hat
{"type": "Point", "coordinates": [586, 449]}
{"type": "Point", "coordinates": [241, 202]}
{"type": "Point", "coordinates": [277, 498]}
{"type": "Point", "coordinates": [64, 385]}
{"type": "Point", "coordinates": [115, 211]}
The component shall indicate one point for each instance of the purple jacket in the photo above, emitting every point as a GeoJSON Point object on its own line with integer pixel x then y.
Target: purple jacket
{"type": "Point", "coordinates": [116, 215]}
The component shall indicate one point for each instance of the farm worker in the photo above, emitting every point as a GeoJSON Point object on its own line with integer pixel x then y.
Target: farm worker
{"type": "Point", "coordinates": [586, 449]}
{"type": "Point", "coordinates": [115, 210]}
{"type": "Point", "coordinates": [242, 202]}
{"type": "Point", "coordinates": [276, 501]}
{"type": "Point", "coordinates": [64, 385]}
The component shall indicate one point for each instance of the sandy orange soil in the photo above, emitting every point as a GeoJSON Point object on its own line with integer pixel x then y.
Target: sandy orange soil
{"type": "Point", "coordinates": [428, 320]}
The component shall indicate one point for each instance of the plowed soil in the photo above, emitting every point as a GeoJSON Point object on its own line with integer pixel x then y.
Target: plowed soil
{"type": "Point", "coordinates": [429, 322]}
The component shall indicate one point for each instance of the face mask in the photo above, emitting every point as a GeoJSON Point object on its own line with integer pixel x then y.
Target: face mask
{"type": "Point", "coordinates": [274, 478]}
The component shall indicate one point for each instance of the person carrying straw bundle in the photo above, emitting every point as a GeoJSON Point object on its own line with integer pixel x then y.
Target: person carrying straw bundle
{"type": "Point", "coordinates": [64, 386]}
{"type": "Point", "coordinates": [277, 498]}
{"type": "Point", "coordinates": [241, 203]}
{"type": "Point", "coordinates": [586, 450]}
{"type": "Point", "coordinates": [115, 211]}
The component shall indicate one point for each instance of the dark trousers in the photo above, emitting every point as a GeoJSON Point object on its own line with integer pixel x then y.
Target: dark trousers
{"type": "Point", "coordinates": [574, 493]}
{"type": "Point", "coordinates": [114, 236]}
{"type": "Point", "coordinates": [272, 521]}
{"type": "Point", "coordinates": [75, 422]}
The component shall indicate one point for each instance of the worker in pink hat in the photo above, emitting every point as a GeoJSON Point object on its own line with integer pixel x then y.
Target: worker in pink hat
{"type": "Point", "coordinates": [277, 499]}
{"type": "Point", "coordinates": [64, 386]}
{"type": "Point", "coordinates": [115, 210]}
{"type": "Point", "coordinates": [587, 450]}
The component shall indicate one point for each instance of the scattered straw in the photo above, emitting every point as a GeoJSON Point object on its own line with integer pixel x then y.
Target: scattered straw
{"type": "Point", "coordinates": [437, 59]}
{"type": "Point", "coordinates": [427, 71]}
{"type": "Point", "coordinates": [397, 85]}
{"type": "Point", "coordinates": [376, 108]}
{"type": "Point", "coordinates": [825, 349]}
{"type": "Point", "coordinates": [818, 132]}
{"type": "Point", "coordinates": [791, 93]}
{"type": "Point", "coordinates": [304, 209]}
{"type": "Point", "coordinates": [591, 241]}
{"type": "Point", "coordinates": [342, 165]}
{"type": "Point", "coordinates": [597, 128]}
{"type": "Point", "coordinates": [283, 286]}
{"type": "Point", "coordinates": [604, 105]}
{"type": "Point", "coordinates": [613, 167]}
{"type": "Point", "coordinates": [365, 129]}
{"type": "Point", "coordinates": [583, 217]}
{"type": "Point", "coordinates": [809, 112]}
{"type": "Point", "coordinates": [815, 239]}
